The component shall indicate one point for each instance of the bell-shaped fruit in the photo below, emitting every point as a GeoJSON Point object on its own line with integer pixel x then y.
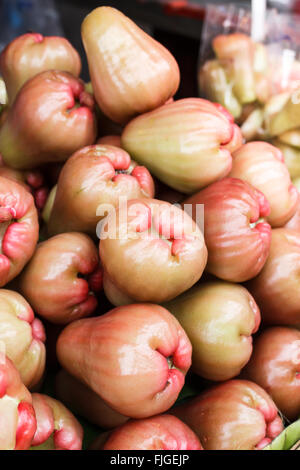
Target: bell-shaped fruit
{"type": "Point", "coordinates": [183, 143]}
{"type": "Point", "coordinates": [30, 54]}
{"type": "Point", "coordinates": [163, 432]}
{"type": "Point", "coordinates": [91, 183]}
{"type": "Point", "coordinates": [291, 157]}
{"type": "Point", "coordinates": [238, 242]}
{"type": "Point", "coordinates": [50, 119]}
{"type": "Point", "coordinates": [275, 366]}
{"type": "Point", "coordinates": [219, 319]}
{"type": "Point", "coordinates": [60, 279]}
{"type": "Point", "coordinates": [151, 251]}
{"type": "Point", "coordinates": [135, 357]}
{"type": "Point", "coordinates": [23, 336]}
{"type": "Point", "coordinates": [19, 229]}
{"type": "Point", "coordinates": [17, 417]}
{"type": "Point", "coordinates": [33, 181]}
{"type": "Point", "coordinates": [215, 86]}
{"type": "Point", "coordinates": [85, 402]}
{"type": "Point", "coordinates": [236, 53]}
{"type": "Point", "coordinates": [235, 415]}
{"type": "Point", "coordinates": [57, 427]}
{"type": "Point", "coordinates": [262, 165]}
{"type": "Point", "coordinates": [131, 73]}
{"type": "Point", "coordinates": [287, 118]}
{"type": "Point", "coordinates": [276, 289]}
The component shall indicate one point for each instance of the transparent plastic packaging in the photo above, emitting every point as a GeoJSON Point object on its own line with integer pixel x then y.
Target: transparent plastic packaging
{"type": "Point", "coordinates": [258, 82]}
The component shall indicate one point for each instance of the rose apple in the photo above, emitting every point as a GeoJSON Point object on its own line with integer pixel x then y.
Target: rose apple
{"type": "Point", "coordinates": [23, 336]}
{"type": "Point", "coordinates": [164, 432]}
{"type": "Point", "coordinates": [30, 54]}
{"type": "Point", "coordinates": [91, 183]}
{"type": "Point", "coordinates": [238, 241]}
{"type": "Point", "coordinates": [33, 181]}
{"type": "Point", "coordinates": [151, 251]}
{"type": "Point", "coordinates": [50, 119]}
{"type": "Point", "coordinates": [57, 428]}
{"type": "Point", "coordinates": [275, 366]}
{"type": "Point", "coordinates": [291, 157]}
{"type": "Point", "coordinates": [17, 417]}
{"type": "Point", "coordinates": [262, 165]}
{"type": "Point", "coordinates": [235, 415]}
{"type": "Point", "coordinates": [276, 289]}
{"type": "Point", "coordinates": [236, 52]}
{"type": "Point", "coordinates": [219, 319]}
{"type": "Point", "coordinates": [184, 143]}
{"type": "Point", "coordinates": [83, 401]}
{"type": "Point", "coordinates": [19, 229]}
{"type": "Point", "coordinates": [131, 73]}
{"type": "Point", "coordinates": [60, 278]}
{"type": "Point", "coordinates": [135, 357]}
{"type": "Point", "coordinates": [215, 85]}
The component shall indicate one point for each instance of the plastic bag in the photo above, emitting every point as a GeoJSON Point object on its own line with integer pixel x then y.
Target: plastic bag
{"type": "Point", "coordinates": [258, 82]}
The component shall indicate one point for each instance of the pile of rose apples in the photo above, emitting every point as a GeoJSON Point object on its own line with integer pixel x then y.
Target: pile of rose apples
{"type": "Point", "coordinates": [190, 283]}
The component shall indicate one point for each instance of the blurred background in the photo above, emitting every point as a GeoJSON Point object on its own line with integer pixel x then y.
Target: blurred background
{"type": "Point", "coordinates": [175, 23]}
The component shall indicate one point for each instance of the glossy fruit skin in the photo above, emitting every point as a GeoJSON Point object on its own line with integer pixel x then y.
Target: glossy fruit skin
{"type": "Point", "coordinates": [219, 319]}
{"type": "Point", "coordinates": [122, 356]}
{"type": "Point", "coordinates": [95, 175]}
{"type": "Point", "coordinates": [33, 181]}
{"type": "Point", "coordinates": [163, 432]}
{"type": "Point", "coordinates": [235, 415]}
{"type": "Point", "coordinates": [19, 229]}
{"type": "Point", "coordinates": [276, 289]}
{"type": "Point", "coordinates": [17, 417]}
{"type": "Point", "coordinates": [46, 107]}
{"type": "Point", "coordinates": [183, 143]}
{"type": "Point", "coordinates": [161, 263]}
{"type": "Point", "coordinates": [57, 427]}
{"type": "Point", "coordinates": [131, 73]}
{"type": "Point", "coordinates": [23, 336]}
{"type": "Point", "coordinates": [232, 231]}
{"type": "Point", "coordinates": [262, 165]}
{"type": "Point", "coordinates": [84, 402]}
{"type": "Point", "coordinates": [275, 366]}
{"type": "Point", "coordinates": [51, 282]}
{"type": "Point", "coordinates": [30, 54]}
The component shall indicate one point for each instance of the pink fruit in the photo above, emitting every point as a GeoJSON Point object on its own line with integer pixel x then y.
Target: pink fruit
{"type": "Point", "coordinates": [134, 357]}
{"type": "Point", "coordinates": [57, 427]}
{"type": "Point", "coordinates": [262, 165]}
{"type": "Point", "coordinates": [131, 73]}
{"type": "Point", "coordinates": [91, 183]}
{"type": "Point", "coordinates": [275, 366]}
{"type": "Point", "coordinates": [276, 289]}
{"type": "Point", "coordinates": [236, 234]}
{"type": "Point", "coordinates": [153, 253]}
{"type": "Point", "coordinates": [50, 119]}
{"type": "Point", "coordinates": [23, 336]}
{"type": "Point", "coordinates": [31, 54]}
{"type": "Point", "coordinates": [19, 229]}
{"type": "Point", "coordinates": [236, 415]}
{"type": "Point", "coordinates": [164, 432]}
{"type": "Point", "coordinates": [17, 417]}
{"type": "Point", "coordinates": [61, 278]}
